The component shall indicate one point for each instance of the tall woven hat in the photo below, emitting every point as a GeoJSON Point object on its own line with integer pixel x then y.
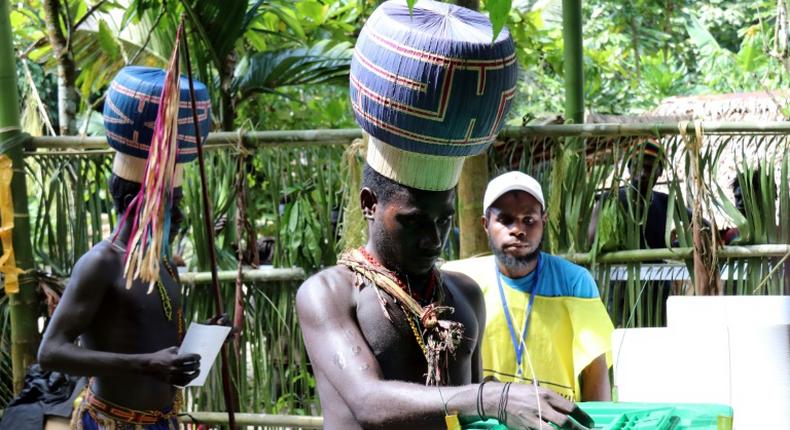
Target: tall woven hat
{"type": "Point", "coordinates": [430, 86]}
{"type": "Point", "coordinates": [149, 122]}
{"type": "Point", "coordinates": [130, 110]}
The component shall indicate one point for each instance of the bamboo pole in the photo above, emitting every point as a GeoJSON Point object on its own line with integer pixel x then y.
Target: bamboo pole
{"type": "Point", "coordinates": [254, 139]}
{"type": "Point", "coordinates": [287, 421]}
{"type": "Point", "coordinates": [229, 392]}
{"type": "Point", "coordinates": [573, 57]}
{"type": "Point", "coordinates": [249, 275]}
{"type": "Point", "coordinates": [630, 256]}
{"type": "Point", "coordinates": [574, 60]}
{"type": "Point", "coordinates": [471, 187]}
{"type": "Point", "coordinates": [221, 139]}
{"type": "Point", "coordinates": [23, 305]}
{"type": "Point", "coordinates": [704, 283]}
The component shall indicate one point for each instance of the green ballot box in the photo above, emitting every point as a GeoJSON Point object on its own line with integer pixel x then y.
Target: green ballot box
{"type": "Point", "coordinates": [658, 416]}
{"type": "Point", "coordinates": [641, 416]}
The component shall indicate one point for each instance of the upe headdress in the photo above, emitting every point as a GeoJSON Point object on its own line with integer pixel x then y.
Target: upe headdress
{"type": "Point", "coordinates": [149, 122]}
{"type": "Point", "coordinates": [430, 86]}
{"type": "Point", "coordinates": [130, 110]}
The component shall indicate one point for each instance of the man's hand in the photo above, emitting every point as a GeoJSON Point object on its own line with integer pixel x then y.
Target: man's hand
{"type": "Point", "coordinates": [223, 320]}
{"type": "Point", "coordinates": [174, 368]}
{"type": "Point", "coordinates": [522, 410]}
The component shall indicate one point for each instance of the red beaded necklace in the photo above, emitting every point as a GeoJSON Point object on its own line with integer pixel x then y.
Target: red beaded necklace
{"type": "Point", "coordinates": [425, 298]}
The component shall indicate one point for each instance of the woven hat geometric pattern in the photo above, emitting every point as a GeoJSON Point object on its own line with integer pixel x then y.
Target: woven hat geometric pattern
{"type": "Point", "coordinates": [431, 82]}
{"type": "Point", "coordinates": [131, 106]}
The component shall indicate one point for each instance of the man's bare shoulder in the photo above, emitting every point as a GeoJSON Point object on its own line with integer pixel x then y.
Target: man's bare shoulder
{"type": "Point", "coordinates": [330, 289]}
{"type": "Point", "coordinates": [336, 279]}
{"type": "Point", "coordinates": [466, 286]}
{"type": "Point", "coordinates": [464, 283]}
{"type": "Point", "coordinates": [102, 261]}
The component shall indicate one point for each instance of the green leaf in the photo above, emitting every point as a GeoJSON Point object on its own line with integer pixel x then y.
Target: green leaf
{"type": "Point", "coordinates": [267, 71]}
{"type": "Point", "coordinates": [107, 41]}
{"type": "Point", "coordinates": [290, 19]}
{"type": "Point", "coordinates": [293, 219]}
{"type": "Point", "coordinates": [750, 50]}
{"type": "Point", "coordinates": [312, 10]}
{"type": "Point", "coordinates": [735, 215]}
{"type": "Point", "coordinates": [701, 37]}
{"type": "Point", "coordinates": [498, 11]}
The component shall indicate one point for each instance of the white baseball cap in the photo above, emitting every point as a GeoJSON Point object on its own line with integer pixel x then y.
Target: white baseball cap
{"type": "Point", "coordinates": [512, 181]}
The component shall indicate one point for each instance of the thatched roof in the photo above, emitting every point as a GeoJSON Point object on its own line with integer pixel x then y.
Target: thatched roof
{"type": "Point", "coordinates": [734, 107]}
{"type": "Point", "coordinates": [754, 106]}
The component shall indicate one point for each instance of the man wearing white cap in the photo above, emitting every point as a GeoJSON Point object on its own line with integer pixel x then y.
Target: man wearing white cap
{"type": "Point", "coordinates": [545, 321]}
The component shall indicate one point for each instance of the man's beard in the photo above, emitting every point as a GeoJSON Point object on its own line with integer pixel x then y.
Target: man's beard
{"type": "Point", "coordinates": [511, 262]}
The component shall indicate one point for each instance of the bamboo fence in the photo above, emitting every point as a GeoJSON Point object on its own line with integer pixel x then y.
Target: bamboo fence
{"type": "Point", "coordinates": [297, 185]}
{"type": "Point", "coordinates": [23, 336]}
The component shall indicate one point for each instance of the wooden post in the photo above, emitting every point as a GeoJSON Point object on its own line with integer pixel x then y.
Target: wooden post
{"type": "Point", "coordinates": [24, 304]}
{"type": "Point", "coordinates": [471, 188]}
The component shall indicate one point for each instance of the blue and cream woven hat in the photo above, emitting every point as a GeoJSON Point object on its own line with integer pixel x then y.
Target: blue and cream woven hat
{"type": "Point", "coordinates": [130, 110]}
{"type": "Point", "coordinates": [430, 88]}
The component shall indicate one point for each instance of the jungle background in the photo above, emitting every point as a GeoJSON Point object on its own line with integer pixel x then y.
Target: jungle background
{"type": "Point", "coordinates": [283, 65]}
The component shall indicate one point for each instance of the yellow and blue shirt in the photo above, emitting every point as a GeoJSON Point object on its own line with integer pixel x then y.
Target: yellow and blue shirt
{"type": "Point", "coordinates": [568, 327]}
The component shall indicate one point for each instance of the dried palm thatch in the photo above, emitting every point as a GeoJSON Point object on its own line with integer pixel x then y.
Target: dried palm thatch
{"type": "Point", "coordinates": [733, 153]}
{"type": "Point", "coordinates": [753, 106]}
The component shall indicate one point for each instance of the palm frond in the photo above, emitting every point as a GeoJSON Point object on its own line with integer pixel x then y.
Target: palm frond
{"type": "Point", "coordinates": [321, 63]}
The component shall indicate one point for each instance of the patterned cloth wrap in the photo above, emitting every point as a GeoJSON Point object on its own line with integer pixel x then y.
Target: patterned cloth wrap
{"type": "Point", "coordinates": [130, 110]}
{"type": "Point", "coordinates": [94, 413]}
{"type": "Point", "coordinates": [430, 86]}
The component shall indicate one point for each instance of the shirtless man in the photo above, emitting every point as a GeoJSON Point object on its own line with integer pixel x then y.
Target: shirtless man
{"type": "Point", "coordinates": [394, 342]}
{"type": "Point", "coordinates": [128, 337]}
{"type": "Point", "coordinates": [369, 369]}
{"type": "Point", "coordinates": [128, 345]}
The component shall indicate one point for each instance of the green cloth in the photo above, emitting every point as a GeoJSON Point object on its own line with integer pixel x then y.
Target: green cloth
{"type": "Point", "coordinates": [469, 423]}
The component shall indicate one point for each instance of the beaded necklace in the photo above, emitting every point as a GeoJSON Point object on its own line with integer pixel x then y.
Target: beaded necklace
{"type": "Point", "coordinates": [167, 302]}
{"type": "Point", "coordinates": [428, 297]}
{"type": "Point", "coordinates": [437, 338]}
{"type": "Point", "coordinates": [430, 290]}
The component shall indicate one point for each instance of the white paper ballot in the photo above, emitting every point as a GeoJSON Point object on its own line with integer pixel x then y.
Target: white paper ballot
{"type": "Point", "coordinates": [206, 341]}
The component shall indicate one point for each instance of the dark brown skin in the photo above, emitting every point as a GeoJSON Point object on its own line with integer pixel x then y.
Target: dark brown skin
{"type": "Point", "coordinates": [515, 226]}
{"type": "Point", "coordinates": [127, 344]}
{"type": "Point", "coordinates": [370, 371]}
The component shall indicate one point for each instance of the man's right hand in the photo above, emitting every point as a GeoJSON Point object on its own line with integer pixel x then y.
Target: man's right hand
{"type": "Point", "coordinates": [174, 368]}
{"type": "Point", "coordinates": [522, 410]}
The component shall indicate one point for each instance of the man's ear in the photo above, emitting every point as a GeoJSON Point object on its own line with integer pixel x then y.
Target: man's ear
{"type": "Point", "coordinates": [484, 222]}
{"type": "Point", "coordinates": [544, 217]}
{"type": "Point", "coordinates": [368, 202]}
{"type": "Point", "coordinates": [127, 200]}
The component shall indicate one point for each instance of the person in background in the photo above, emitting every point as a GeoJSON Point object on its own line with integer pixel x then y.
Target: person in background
{"type": "Point", "coordinates": [733, 233]}
{"type": "Point", "coordinates": [546, 322]}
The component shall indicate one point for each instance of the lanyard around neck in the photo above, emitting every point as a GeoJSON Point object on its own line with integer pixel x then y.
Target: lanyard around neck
{"type": "Point", "coordinates": [519, 342]}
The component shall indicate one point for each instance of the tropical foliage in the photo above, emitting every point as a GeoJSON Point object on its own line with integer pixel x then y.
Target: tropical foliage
{"type": "Point", "coordinates": [281, 64]}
